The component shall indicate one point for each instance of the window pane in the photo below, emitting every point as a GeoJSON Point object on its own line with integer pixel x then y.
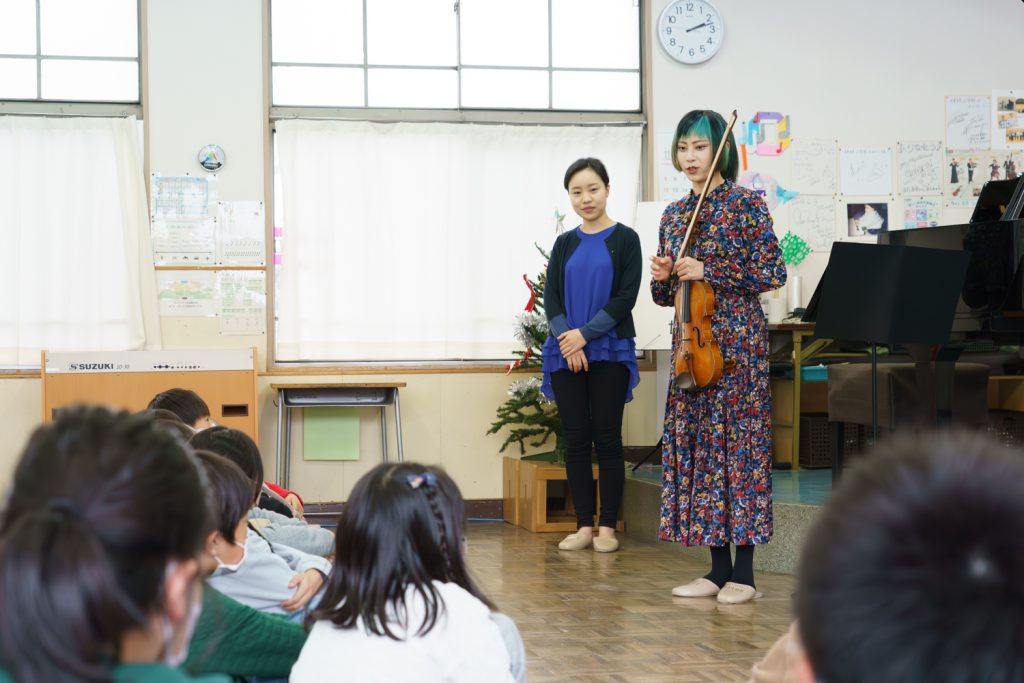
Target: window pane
{"type": "Point", "coordinates": [18, 79]}
{"type": "Point", "coordinates": [313, 86]}
{"type": "Point", "coordinates": [98, 28]}
{"type": "Point", "coordinates": [411, 32]}
{"type": "Point", "coordinates": [319, 31]}
{"type": "Point", "coordinates": [605, 91]}
{"type": "Point", "coordinates": [595, 34]}
{"type": "Point", "coordinates": [494, 35]}
{"type": "Point", "coordinates": [504, 89]}
{"type": "Point", "coordinates": [18, 27]}
{"type": "Point", "coordinates": [66, 79]}
{"type": "Point", "coordinates": [424, 88]}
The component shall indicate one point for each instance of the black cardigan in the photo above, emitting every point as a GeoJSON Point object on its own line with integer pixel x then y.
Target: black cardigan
{"type": "Point", "coordinates": [624, 247]}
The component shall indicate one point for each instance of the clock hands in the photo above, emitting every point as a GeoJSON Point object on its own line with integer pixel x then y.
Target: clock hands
{"type": "Point", "coordinates": [697, 27]}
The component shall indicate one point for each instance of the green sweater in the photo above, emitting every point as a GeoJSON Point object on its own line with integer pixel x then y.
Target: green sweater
{"type": "Point", "coordinates": [146, 673]}
{"type": "Point", "coordinates": [234, 639]}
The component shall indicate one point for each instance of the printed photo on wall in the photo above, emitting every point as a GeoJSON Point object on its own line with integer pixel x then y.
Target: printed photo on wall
{"type": "Point", "coordinates": [867, 219]}
{"type": "Point", "coordinates": [966, 172]}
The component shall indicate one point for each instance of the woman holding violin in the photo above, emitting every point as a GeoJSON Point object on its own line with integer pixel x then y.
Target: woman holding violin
{"type": "Point", "coordinates": [717, 441]}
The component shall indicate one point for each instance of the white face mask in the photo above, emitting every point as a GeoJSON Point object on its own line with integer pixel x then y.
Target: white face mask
{"type": "Point", "coordinates": [233, 567]}
{"type": "Point", "coordinates": [175, 659]}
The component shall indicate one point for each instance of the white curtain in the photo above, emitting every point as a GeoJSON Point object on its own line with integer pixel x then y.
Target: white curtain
{"type": "Point", "coordinates": [78, 271]}
{"type": "Point", "coordinates": [408, 241]}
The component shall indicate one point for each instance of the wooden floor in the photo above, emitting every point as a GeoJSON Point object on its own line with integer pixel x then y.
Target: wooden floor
{"type": "Point", "coordinates": [593, 617]}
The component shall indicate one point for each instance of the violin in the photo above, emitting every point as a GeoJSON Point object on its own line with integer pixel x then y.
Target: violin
{"type": "Point", "coordinates": [698, 361]}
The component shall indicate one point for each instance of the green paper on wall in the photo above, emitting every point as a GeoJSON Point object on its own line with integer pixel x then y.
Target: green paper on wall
{"type": "Point", "coordinates": [330, 434]}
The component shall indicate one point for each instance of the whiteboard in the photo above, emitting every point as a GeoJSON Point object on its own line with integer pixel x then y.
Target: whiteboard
{"type": "Point", "coordinates": [652, 322]}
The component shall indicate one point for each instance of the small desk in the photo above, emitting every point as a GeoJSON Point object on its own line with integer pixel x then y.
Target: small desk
{"type": "Point", "coordinates": [798, 331]}
{"type": "Point", "coordinates": [292, 396]}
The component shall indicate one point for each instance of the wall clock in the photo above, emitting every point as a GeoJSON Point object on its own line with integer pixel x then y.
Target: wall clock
{"type": "Point", "coordinates": [690, 31]}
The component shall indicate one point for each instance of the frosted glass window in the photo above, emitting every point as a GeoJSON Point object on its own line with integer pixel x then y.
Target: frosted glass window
{"type": "Point", "coordinates": [18, 79]}
{"type": "Point", "coordinates": [595, 34]}
{"type": "Point", "coordinates": [93, 28]}
{"type": "Point", "coordinates": [18, 27]}
{"type": "Point", "coordinates": [495, 35]}
{"type": "Point", "coordinates": [411, 32]}
{"type": "Point", "coordinates": [321, 86]}
{"type": "Point", "coordinates": [67, 79]}
{"type": "Point", "coordinates": [596, 90]}
{"type": "Point", "coordinates": [504, 89]}
{"type": "Point", "coordinates": [318, 31]}
{"type": "Point", "coordinates": [414, 88]}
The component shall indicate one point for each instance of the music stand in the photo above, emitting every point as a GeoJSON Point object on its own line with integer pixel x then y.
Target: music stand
{"type": "Point", "coordinates": [887, 294]}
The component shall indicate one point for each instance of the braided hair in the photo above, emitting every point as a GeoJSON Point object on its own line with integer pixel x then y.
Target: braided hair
{"type": "Point", "coordinates": [400, 531]}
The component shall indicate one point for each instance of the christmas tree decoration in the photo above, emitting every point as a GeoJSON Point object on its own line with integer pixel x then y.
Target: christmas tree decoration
{"type": "Point", "coordinates": [794, 249]}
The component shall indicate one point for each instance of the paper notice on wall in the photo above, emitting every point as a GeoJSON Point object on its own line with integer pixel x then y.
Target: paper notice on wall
{"type": "Point", "coordinates": [920, 212]}
{"type": "Point", "coordinates": [865, 170]}
{"type": "Point", "coordinates": [814, 166]}
{"type": "Point", "coordinates": [919, 167]}
{"type": "Point", "coordinates": [1008, 119]}
{"type": "Point", "coordinates": [242, 301]}
{"type": "Point", "coordinates": [966, 171]}
{"type": "Point", "coordinates": [242, 234]}
{"type": "Point", "coordinates": [180, 196]}
{"type": "Point", "coordinates": [814, 220]}
{"type": "Point", "coordinates": [186, 292]}
{"type": "Point", "coordinates": [184, 241]}
{"type": "Point", "coordinates": [967, 123]}
{"type": "Point", "coordinates": [672, 184]}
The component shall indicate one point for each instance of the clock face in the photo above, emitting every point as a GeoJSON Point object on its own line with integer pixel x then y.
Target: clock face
{"type": "Point", "coordinates": [691, 31]}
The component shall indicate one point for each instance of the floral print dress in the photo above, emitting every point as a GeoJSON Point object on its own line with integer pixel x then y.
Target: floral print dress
{"type": "Point", "coordinates": [717, 442]}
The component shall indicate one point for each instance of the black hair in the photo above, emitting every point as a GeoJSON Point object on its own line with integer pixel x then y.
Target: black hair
{"type": "Point", "coordinates": [100, 503]}
{"type": "Point", "coordinates": [401, 529]}
{"type": "Point", "coordinates": [230, 490]}
{"type": "Point", "coordinates": [160, 414]}
{"type": "Point", "coordinates": [708, 124]}
{"type": "Point", "coordinates": [184, 403]}
{"type": "Point", "coordinates": [587, 162]}
{"type": "Point", "coordinates": [912, 571]}
{"type": "Point", "coordinates": [239, 448]}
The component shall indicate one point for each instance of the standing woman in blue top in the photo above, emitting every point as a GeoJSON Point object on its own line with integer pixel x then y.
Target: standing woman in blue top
{"type": "Point", "coordinates": [589, 357]}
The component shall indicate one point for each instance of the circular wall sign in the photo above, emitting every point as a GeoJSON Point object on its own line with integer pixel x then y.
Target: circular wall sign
{"type": "Point", "coordinates": [212, 158]}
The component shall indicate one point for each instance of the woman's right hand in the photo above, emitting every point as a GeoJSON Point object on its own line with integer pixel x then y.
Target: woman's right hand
{"type": "Point", "coordinates": [661, 268]}
{"type": "Point", "coordinates": [577, 361]}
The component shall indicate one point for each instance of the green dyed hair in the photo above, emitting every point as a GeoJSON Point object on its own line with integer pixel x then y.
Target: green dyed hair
{"type": "Point", "coordinates": [704, 123]}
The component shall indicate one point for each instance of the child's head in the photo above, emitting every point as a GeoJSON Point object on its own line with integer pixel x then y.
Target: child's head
{"type": "Point", "coordinates": [186, 404]}
{"type": "Point", "coordinates": [231, 495]}
{"type": "Point", "coordinates": [401, 528]}
{"type": "Point", "coordinates": [237, 447]}
{"type": "Point", "coordinates": [99, 540]}
{"type": "Point", "coordinates": [913, 570]}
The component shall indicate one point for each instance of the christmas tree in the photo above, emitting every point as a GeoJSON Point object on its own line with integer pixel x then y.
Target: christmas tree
{"type": "Point", "coordinates": [532, 418]}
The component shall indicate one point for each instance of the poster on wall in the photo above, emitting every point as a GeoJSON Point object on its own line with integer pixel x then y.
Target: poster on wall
{"type": "Point", "coordinates": [865, 170]}
{"type": "Point", "coordinates": [183, 241]}
{"type": "Point", "coordinates": [966, 171]}
{"type": "Point", "coordinates": [186, 292]}
{"type": "Point", "coordinates": [919, 167]}
{"type": "Point", "coordinates": [179, 196]}
{"type": "Point", "coordinates": [672, 184]}
{"type": "Point", "coordinates": [868, 219]}
{"type": "Point", "coordinates": [920, 212]}
{"type": "Point", "coordinates": [1008, 119]}
{"type": "Point", "coordinates": [814, 166]}
{"type": "Point", "coordinates": [242, 301]}
{"type": "Point", "coordinates": [967, 122]}
{"type": "Point", "coordinates": [241, 231]}
{"type": "Point", "coordinates": [814, 220]}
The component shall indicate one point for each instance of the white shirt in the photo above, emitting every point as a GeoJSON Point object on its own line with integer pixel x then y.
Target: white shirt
{"type": "Point", "coordinates": [464, 646]}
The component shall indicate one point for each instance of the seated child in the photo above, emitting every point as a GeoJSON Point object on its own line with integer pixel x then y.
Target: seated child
{"type": "Point", "coordinates": [186, 404]}
{"type": "Point", "coordinates": [265, 576]}
{"type": "Point", "coordinates": [237, 447]}
{"type": "Point", "coordinates": [400, 604]}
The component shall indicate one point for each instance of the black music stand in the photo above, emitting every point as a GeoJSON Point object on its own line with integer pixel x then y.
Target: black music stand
{"type": "Point", "coordinates": [887, 294]}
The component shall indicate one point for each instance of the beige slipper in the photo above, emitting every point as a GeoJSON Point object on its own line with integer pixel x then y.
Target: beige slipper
{"type": "Point", "coordinates": [574, 542]}
{"type": "Point", "coordinates": [737, 594]}
{"type": "Point", "coordinates": [698, 588]}
{"type": "Point", "coordinates": [606, 545]}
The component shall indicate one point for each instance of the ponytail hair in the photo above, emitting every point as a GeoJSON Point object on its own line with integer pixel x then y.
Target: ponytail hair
{"type": "Point", "coordinates": [100, 504]}
{"type": "Point", "coordinates": [401, 530]}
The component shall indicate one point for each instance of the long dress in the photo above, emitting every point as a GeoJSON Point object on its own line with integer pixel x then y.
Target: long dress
{"type": "Point", "coordinates": [717, 442]}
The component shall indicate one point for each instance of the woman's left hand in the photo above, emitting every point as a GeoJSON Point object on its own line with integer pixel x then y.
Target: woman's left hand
{"type": "Point", "coordinates": [308, 583]}
{"type": "Point", "coordinates": [688, 268]}
{"type": "Point", "coordinates": [570, 342]}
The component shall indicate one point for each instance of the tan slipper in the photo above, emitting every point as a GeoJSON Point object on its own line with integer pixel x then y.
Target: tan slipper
{"type": "Point", "coordinates": [698, 588]}
{"type": "Point", "coordinates": [606, 545]}
{"type": "Point", "coordinates": [574, 542]}
{"type": "Point", "coordinates": [737, 594]}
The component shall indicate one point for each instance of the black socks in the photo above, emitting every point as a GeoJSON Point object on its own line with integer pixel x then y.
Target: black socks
{"type": "Point", "coordinates": [723, 570]}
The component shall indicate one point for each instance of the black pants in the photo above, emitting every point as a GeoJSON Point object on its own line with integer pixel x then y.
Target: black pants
{"type": "Point", "coordinates": [590, 405]}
